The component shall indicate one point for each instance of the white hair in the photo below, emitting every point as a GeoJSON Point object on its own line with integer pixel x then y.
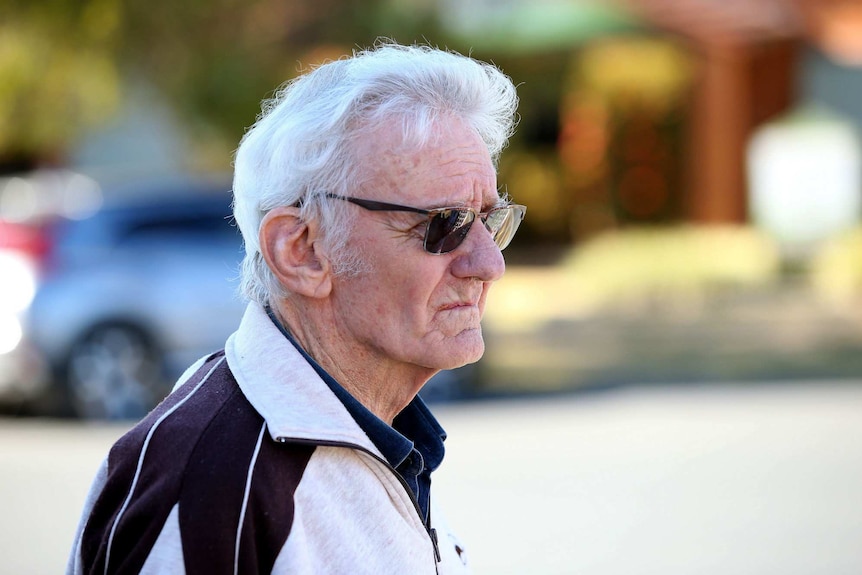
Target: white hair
{"type": "Point", "coordinates": [300, 148]}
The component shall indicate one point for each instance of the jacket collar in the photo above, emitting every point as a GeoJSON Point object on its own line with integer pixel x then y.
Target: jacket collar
{"type": "Point", "coordinates": [287, 392]}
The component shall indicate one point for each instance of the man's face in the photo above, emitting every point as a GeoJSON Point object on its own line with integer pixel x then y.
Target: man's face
{"type": "Point", "coordinates": [409, 306]}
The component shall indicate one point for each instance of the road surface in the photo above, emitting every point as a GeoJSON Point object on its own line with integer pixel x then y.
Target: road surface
{"type": "Point", "coordinates": [749, 480]}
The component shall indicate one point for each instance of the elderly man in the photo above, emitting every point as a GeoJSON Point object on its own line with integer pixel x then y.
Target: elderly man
{"type": "Point", "coordinates": [303, 446]}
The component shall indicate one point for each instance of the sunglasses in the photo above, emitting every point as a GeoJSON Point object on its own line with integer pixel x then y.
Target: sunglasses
{"type": "Point", "coordinates": [447, 227]}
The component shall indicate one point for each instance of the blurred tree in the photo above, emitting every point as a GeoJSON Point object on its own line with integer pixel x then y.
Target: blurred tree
{"type": "Point", "coordinates": [622, 119]}
{"type": "Point", "coordinates": [58, 74]}
{"type": "Point", "coordinates": [64, 63]}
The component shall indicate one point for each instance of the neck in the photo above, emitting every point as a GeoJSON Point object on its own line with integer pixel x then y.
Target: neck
{"type": "Point", "coordinates": [381, 385]}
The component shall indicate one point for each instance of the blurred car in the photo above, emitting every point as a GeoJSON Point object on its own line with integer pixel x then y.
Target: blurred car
{"type": "Point", "coordinates": [99, 315]}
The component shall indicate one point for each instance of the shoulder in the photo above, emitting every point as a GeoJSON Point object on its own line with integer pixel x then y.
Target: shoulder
{"type": "Point", "coordinates": [178, 423]}
{"type": "Point", "coordinates": [204, 462]}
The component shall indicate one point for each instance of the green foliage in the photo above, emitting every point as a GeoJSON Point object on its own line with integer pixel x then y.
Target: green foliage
{"type": "Point", "coordinates": [63, 63]}
{"type": "Point", "coordinates": [58, 73]}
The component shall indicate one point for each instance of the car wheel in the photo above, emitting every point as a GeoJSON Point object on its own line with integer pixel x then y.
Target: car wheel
{"type": "Point", "coordinates": [113, 373]}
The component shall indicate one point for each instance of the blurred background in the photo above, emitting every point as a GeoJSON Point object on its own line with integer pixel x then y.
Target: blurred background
{"type": "Point", "coordinates": [692, 172]}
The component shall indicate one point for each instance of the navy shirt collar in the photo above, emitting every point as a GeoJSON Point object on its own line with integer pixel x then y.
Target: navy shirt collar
{"type": "Point", "coordinates": [415, 427]}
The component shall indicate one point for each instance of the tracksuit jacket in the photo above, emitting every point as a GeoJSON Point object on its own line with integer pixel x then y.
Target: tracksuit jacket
{"type": "Point", "coordinates": [253, 465]}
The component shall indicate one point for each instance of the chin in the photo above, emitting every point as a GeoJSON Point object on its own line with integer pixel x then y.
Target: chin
{"type": "Point", "coordinates": [450, 352]}
{"type": "Point", "coordinates": [466, 352]}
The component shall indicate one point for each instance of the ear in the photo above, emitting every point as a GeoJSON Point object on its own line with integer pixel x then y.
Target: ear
{"type": "Point", "coordinates": [290, 248]}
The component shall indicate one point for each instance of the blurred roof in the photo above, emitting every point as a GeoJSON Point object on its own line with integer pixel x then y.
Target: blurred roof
{"type": "Point", "coordinates": [730, 21]}
{"type": "Point", "coordinates": [833, 25]}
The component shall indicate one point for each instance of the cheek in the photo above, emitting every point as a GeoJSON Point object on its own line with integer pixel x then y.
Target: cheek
{"type": "Point", "coordinates": [411, 299]}
{"type": "Point", "coordinates": [387, 295]}
{"type": "Point", "coordinates": [395, 290]}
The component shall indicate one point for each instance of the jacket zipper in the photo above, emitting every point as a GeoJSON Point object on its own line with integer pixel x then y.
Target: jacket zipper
{"type": "Point", "coordinates": [432, 533]}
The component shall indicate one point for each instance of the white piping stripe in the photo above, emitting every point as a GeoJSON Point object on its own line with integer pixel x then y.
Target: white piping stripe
{"type": "Point", "coordinates": [245, 497]}
{"type": "Point", "coordinates": [141, 461]}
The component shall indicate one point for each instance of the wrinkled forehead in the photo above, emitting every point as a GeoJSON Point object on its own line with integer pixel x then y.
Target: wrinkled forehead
{"type": "Point", "coordinates": [451, 163]}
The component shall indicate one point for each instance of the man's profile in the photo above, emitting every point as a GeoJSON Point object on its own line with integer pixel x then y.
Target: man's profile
{"type": "Point", "coordinates": [367, 196]}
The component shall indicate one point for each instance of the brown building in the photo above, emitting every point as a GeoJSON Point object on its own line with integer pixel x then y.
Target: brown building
{"type": "Point", "coordinates": [748, 65]}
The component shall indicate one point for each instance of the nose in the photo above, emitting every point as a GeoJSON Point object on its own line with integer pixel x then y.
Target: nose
{"type": "Point", "coordinates": [478, 256]}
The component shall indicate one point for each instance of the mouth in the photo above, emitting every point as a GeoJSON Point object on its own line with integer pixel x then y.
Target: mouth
{"type": "Point", "coordinates": [469, 299]}
{"type": "Point", "coordinates": [460, 305]}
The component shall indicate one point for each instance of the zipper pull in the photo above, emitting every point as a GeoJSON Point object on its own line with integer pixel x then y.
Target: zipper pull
{"type": "Point", "coordinates": [433, 533]}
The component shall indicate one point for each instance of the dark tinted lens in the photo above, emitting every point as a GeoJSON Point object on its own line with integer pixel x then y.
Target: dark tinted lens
{"type": "Point", "coordinates": [447, 229]}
